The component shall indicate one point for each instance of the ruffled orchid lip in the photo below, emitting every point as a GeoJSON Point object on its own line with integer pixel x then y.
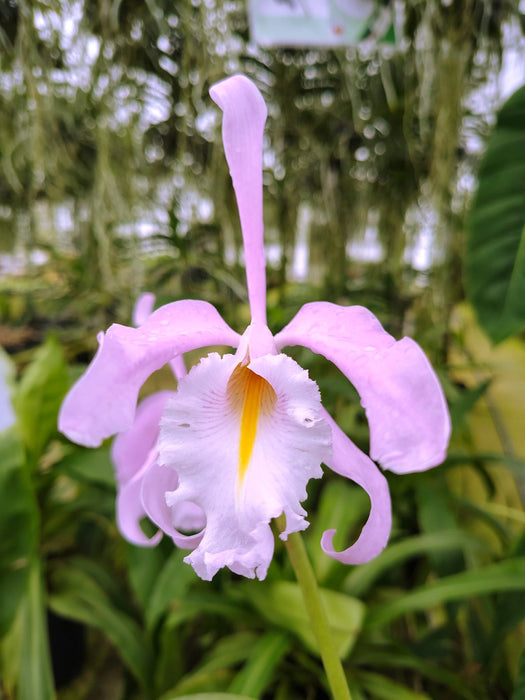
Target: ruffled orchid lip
{"type": "Point", "coordinates": [260, 424]}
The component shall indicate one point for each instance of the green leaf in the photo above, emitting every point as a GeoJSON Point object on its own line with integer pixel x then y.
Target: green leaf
{"type": "Point", "coordinates": [258, 672]}
{"type": "Point", "coordinates": [381, 688]}
{"type": "Point", "coordinates": [495, 256]}
{"type": "Point", "coordinates": [35, 676]}
{"type": "Point", "coordinates": [144, 565]}
{"type": "Point", "coordinates": [210, 696]}
{"type": "Point", "coordinates": [195, 604]}
{"type": "Point", "coordinates": [361, 578]}
{"type": "Point", "coordinates": [435, 514]}
{"type": "Point", "coordinates": [89, 466]}
{"type": "Point", "coordinates": [173, 582]}
{"type": "Point", "coordinates": [19, 518]}
{"type": "Point", "coordinates": [504, 576]}
{"type": "Point", "coordinates": [40, 393]}
{"type": "Point", "coordinates": [281, 603]}
{"type": "Point", "coordinates": [217, 667]}
{"type": "Point", "coordinates": [397, 658]}
{"type": "Point", "coordinates": [79, 597]}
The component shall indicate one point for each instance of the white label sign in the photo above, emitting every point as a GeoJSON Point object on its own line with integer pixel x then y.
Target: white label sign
{"type": "Point", "coordinates": [319, 22]}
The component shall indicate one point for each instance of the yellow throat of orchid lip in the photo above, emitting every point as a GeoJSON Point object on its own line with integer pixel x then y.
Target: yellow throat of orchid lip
{"type": "Point", "coordinates": [251, 396]}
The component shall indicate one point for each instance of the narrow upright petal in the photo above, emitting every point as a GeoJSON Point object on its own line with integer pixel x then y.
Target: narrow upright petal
{"type": "Point", "coordinates": [259, 441]}
{"type": "Point", "coordinates": [242, 133]}
{"type": "Point", "coordinates": [349, 461]}
{"type": "Point", "coordinates": [143, 308]}
{"type": "Point", "coordinates": [404, 403]}
{"type": "Point", "coordinates": [103, 400]}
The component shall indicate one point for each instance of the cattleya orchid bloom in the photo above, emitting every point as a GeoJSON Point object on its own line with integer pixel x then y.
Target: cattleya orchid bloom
{"type": "Point", "coordinates": [245, 432]}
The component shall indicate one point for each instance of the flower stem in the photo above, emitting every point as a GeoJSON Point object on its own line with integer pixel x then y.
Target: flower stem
{"type": "Point", "coordinates": [315, 607]}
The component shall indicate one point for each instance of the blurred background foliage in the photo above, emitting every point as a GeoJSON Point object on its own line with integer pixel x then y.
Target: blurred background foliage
{"type": "Point", "coordinates": [112, 182]}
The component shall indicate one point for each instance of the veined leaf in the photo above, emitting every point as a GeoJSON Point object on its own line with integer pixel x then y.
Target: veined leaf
{"type": "Point", "coordinates": [495, 257]}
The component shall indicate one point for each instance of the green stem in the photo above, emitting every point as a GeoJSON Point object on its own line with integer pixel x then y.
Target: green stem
{"type": "Point", "coordinates": [314, 605]}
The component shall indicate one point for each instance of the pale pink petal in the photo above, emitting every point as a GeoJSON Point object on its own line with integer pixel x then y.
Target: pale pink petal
{"type": "Point", "coordinates": [131, 448]}
{"type": "Point", "coordinates": [142, 311]}
{"type": "Point", "coordinates": [201, 441]}
{"type": "Point", "coordinates": [156, 483]}
{"type": "Point", "coordinates": [256, 341]}
{"type": "Point", "coordinates": [242, 133]}
{"type": "Point", "coordinates": [130, 510]}
{"type": "Point", "coordinates": [143, 308]}
{"type": "Point", "coordinates": [349, 461]}
{"type": "Point", "coordinates": [405, 406]}
{"type": "Point", "coordinates": [103, 400]}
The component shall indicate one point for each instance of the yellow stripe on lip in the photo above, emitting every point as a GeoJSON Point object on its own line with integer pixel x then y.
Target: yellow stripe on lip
{"type": "Point", "coordinates": [251, 395]}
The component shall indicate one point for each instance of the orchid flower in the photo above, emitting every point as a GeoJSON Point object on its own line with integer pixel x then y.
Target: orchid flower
{"type": "Point", "coordinates": [245, 431]}
{"type": "Point", "coordinates": [134, 451]}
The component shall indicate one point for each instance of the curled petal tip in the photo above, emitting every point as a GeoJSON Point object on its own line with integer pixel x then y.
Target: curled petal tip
{"type": "Point", "coordinates": [349, 461]}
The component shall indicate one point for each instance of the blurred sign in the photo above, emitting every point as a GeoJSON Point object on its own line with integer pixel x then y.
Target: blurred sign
{"type": "Point", "coordinates": [320, 22]}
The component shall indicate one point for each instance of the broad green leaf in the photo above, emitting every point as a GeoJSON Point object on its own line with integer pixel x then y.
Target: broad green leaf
{"type": "Point", "coordinates": [496, 420]}
{"type": "Point", "coordinates": [504, 576]}
{"type": "Point", "coordinates": [18, 522]}
{"type": "Point", "coordinates": [495, 257]}
{"type": "Point", "coordinates": [76, 595]}
{"type": "Point", "coordinates": [258, 672]}
{"type": "Point", "coordinates": [35, 675]}
{"type": "Point", "coordinates": [282, 604]}
{"type": "Point", "coordinates": [40, 393]}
